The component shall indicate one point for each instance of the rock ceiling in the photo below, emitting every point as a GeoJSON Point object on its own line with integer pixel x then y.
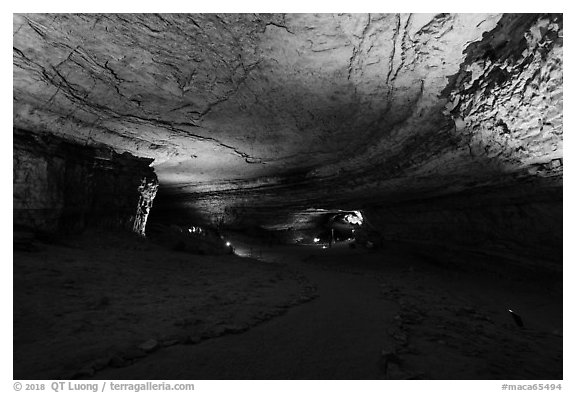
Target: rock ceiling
{"type": "Point", "coordinates": [301, 110]}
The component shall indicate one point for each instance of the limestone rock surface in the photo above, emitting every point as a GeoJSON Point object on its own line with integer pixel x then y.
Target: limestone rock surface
{"type": "Point", "coordinates": [259, 117]}
{"type": "Point", "coordinates": [64, 187]}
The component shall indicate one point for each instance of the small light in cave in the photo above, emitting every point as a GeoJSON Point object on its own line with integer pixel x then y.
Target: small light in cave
{"type": "Point", "coordinates": [517, 318]}
{"type": "Point", "coordinates": [228, 244]}
{"type": "Point", "coordinates": [353, 230]}
{"type": "Point", "coordinates": [190, 230]}
{"type": "Point", "coordinates": [316, 240]}
{"type": "Point", "coordinates": [324, 247]}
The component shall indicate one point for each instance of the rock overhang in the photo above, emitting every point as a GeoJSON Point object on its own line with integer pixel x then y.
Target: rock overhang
{"type": "Point", "coordinates": [268, 111]}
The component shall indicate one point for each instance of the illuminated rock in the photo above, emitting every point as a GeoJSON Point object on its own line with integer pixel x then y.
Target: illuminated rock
{"type": "Point", "coordinates": [263, 121]}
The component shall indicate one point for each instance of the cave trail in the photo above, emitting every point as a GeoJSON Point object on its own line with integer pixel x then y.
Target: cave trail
{"type": "Point", "coordinates": [369, 306]}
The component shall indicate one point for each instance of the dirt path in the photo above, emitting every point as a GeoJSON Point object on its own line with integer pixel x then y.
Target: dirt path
{"type": "Point", "coordinates": [429, 323]}
{"type": "Point", "coordinates": [96, 301]}
{"type": "Point", "coordinates": [339, 335]}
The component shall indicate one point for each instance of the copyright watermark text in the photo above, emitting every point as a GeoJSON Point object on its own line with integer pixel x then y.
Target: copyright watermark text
{"type": "Point", "coordinates": [103, 386]}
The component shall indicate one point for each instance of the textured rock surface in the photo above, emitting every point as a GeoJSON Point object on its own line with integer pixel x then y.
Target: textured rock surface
{"type": "Point", "coordinates": [233, 97]}
{"type": "Point", "coordinates": [254, 119]}
{"type": "Point", "coordinates": [507, 100]}
{"type": "Point", "coordinates": [64, 187]}
{"type": "Point", "coordinates": [506, 103]}
{"type": "Point", "coordinates": [147, 189]}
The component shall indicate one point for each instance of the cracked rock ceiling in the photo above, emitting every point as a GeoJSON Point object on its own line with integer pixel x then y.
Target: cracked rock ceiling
{"type": "Point", "coordinates": [266, 111]}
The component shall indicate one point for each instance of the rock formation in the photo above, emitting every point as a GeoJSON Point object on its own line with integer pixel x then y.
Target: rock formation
{"type": "Point", "coordinates": [147, 190]}
{"type": "Point", "coordinates": [65, 187]}
{"type": "Point", "coordinates": [440, 127]}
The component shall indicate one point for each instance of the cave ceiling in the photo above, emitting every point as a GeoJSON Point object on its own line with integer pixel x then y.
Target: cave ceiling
{"type": "Point", "coordinates": [311, 111]}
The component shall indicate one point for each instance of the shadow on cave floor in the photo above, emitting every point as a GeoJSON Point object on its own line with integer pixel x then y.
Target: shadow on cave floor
{"type": "Point", "coordinates": [108, 299]}
{"type": "Point", "coordinates": [384, 314]}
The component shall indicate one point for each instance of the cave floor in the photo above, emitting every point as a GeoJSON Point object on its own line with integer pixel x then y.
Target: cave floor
{"type": "Point", "coordinates": [91, 302]}
{"type": "Point", "coordinates": [383, 314]}
{"type": "Point", "coordinates": [334, 313]}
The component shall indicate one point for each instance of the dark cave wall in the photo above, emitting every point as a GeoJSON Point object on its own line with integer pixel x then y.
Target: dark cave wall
{"type": "Point", "coordinates": [60, 186]}
{"type": "Point", "coordinates": [515, 225]}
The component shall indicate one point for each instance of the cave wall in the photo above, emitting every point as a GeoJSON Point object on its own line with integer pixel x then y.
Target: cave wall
{"type": "Point", "coordinates": [507, 99]}
{"type": "Point", "coordinates": [514, 225]}
{"type": "Point", "coordinates": [65, 187]}
{"type": "Point", "coordinates": [506, 103]}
